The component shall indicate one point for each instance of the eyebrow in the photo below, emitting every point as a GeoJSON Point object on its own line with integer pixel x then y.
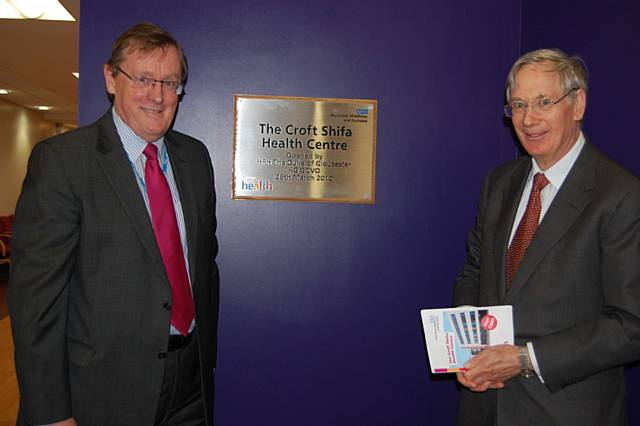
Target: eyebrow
{"type": "Point", "coordinates": [540, 96]}
{"type": "Point", "coordinates": [149, 74]}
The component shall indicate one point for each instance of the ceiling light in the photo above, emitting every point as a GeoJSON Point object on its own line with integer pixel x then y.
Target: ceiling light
{"type": "Point", "coordinates": [76, 74]}
{"type": "Point", "coordinates": [43, 107]}
{"type": "Point", "coordinates": [30, 9]}
{"type": "Point", "coordinates": [4, 92]}
{"type": "Point", "coordinates": [50, 10]}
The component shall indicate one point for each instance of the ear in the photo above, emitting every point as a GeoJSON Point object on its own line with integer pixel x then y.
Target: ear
{"type": "Point", "coordinates": [109, 79]}
{"type": "Point", "coordinates": [579, 105]}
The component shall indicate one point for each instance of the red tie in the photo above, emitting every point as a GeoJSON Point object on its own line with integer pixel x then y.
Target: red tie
{"type": "Point", "coordinates": [165, 227]}
{"type": "Point", "coordinates": [526, 229]}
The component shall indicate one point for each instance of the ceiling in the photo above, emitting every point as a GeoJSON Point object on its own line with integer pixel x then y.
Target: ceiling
{"type": "Point", "coordinates": [38, 58]}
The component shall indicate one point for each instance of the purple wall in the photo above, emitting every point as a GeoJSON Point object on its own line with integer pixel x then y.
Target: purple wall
{"type": "Point", "coordinates": [607, 36]}
{"type": "Point", "coordinates": [320, 302]}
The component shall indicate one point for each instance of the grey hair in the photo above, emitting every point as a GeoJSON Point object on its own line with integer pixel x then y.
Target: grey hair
{"type": "Point", "coordinates": [571, 69]}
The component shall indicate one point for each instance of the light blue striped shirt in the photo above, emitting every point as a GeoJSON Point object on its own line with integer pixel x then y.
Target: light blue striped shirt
{"type": "Point", "coordinates": [134, 145]}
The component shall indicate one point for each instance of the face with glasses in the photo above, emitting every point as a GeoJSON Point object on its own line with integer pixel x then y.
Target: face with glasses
{"type": "Point", "coordinates": [145, 89]}
{"type": "Point", "coordinates": [545, 116]}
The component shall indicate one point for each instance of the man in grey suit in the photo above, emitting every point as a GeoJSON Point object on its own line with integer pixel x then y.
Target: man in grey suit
{"type": "Point", "coordinates": [114, 294]}
{"type": "Point", "coordinates": [557, 236]}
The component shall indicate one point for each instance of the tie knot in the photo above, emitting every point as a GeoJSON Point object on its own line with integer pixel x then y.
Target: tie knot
{"type": "Point", "coordinates": [151, 152]}
{"type": "Point", "coordinates": [539, 181]}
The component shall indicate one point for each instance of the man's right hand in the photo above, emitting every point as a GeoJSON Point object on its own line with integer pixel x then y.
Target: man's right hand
{"type": "Point", "coordinates": [491, 368]}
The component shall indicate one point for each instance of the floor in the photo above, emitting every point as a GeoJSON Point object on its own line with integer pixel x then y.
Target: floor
{"type": "Point", "coordinates": [8, 383]}
{"type": "Point", "coordinates": [4, 279]}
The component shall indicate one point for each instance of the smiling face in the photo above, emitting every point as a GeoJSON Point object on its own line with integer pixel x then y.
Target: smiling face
{"type": "Point", "coordinates": [546, 136]}
{"type": "Point", "coordinates": [147, 111]}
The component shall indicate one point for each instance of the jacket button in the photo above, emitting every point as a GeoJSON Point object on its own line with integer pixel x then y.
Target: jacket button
{"type": "Point", "coordinates": [167, 306]}
{"type": "Point", "coordinates": [162, 355]}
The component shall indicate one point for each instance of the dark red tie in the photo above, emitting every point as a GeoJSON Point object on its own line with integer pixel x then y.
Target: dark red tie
{"type": "Point", "coordinates": [526, 229]}
{"type": "Point", "coordinates": [165, 226]}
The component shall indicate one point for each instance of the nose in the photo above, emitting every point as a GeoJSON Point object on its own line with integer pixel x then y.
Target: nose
{"type": "Point", "coordinates": [156, 92]}
{"type": "Point", "coordinates": [528, 117]}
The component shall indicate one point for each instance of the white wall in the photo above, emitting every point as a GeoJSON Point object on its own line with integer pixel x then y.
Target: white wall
{"type": "Point", "coordinates": [20, 129]}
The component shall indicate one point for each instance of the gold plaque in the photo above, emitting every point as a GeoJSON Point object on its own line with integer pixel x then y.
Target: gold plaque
{"type": "Point", "coordinates": [304, 149]}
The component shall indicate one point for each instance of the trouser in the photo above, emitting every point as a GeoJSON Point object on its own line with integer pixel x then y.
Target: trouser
{"type": "Point", "coordinates": [181, 401]}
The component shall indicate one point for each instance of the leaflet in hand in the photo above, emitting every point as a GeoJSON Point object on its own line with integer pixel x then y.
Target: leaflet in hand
{"type": "Point", "coordinates": [454, 335]}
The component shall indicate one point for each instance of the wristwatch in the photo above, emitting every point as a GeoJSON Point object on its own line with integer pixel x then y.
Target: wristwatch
{"type": "Point", "coordinates": [525, 363]}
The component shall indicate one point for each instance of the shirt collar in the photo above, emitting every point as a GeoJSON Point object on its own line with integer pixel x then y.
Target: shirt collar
{"type": "Point", "coordinates": [557, 173]}
{"type": "Point", "coordinates": [132, 143]}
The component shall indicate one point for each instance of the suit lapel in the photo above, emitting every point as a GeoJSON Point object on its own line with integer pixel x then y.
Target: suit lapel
{"type": "Point", "coordinates": [184, 182]}
{"type": "Point", "coordinates": [511, 194]}
{"type": "Point", "coordinates": [568, 204]}
{"type": "Point", "coordinates": [116, 167]}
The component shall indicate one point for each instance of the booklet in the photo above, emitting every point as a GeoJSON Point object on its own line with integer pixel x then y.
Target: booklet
{"type": "Point", "coordinates": [454, 335]}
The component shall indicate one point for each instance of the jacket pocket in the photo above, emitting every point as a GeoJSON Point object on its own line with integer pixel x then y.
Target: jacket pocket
{"type": "Point", "coordinates": [573, 256]}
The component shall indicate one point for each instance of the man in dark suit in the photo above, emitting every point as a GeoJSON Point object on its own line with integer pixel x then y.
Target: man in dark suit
{"type": "Point", "coordinates": [114, 294]}
{"type": "Point", "coordinates": [557, 236]}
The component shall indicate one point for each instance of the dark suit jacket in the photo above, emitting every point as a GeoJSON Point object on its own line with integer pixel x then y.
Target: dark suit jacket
{"type": "Point", "coordinates": [89, 295]}
{"type": "Point", "coordinates": [576, 295]}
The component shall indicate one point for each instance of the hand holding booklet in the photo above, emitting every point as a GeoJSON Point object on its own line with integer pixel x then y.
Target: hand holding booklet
{"type": "Point", "coordinates": [454, 335]}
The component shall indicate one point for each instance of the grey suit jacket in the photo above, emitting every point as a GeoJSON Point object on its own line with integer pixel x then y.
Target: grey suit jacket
{"type": "Point", "coordinates": [576, 295]}
{"type": "Point", "coordinates": [89, 298]}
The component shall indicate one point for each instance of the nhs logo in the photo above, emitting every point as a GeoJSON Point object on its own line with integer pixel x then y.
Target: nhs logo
{"type": "Point", "coordinates": [250, 183]}
{"type": "Point", "coordinates": [362, 111]}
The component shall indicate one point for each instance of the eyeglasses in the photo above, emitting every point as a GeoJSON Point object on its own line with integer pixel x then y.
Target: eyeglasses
{"type": "Point", "coordinates": [148, 82]}
{"type": "Point", "coordinates": [539, 107]}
